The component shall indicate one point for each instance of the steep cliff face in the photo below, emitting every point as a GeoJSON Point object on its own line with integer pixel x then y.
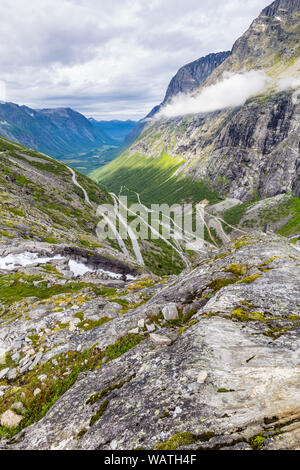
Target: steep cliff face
{"type": "Point", "coordinates": [188, 78]}
{"type": "Point", "coordinates": [192, 75]}
{"type": "Point", "coordinates": [271, 43]}
{"type": "Point", "coordinates": [243, 152]}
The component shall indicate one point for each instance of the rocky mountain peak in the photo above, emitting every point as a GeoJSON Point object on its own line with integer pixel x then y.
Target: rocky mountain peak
{"type": "Point", "coordinates": [241, 150]}
{"type": "Point", "coordinates": [281, 6]}
{"type": "Point", "coordinates": [188, 78]}
{"type": "Point", "coordinates": [271, 43]}
{"type": "Point", "coordinates": [191, 76]}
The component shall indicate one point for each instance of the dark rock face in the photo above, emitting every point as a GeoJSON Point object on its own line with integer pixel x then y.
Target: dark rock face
{"type": "Point", "coordinates": [260, 150]}
{"type": "Point", "coordinates": [283, 5]}
{"type": "Point", "coordinates": [192, 75]}
{"type": "Point", "coordinates": [244, 152]}
{"type": "Point", "coordinates": [296, 184]}
{"type": "Point", "coordinates": [95, 260]}
{"type": "Point", "coordinates": [187, 79]}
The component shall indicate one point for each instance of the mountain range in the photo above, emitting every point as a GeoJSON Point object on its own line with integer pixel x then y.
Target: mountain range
{"type": "Point", "coordinates": [111, 343]}
{"type": "Point", "coordinates": [63, 133]}
{"type": "Point", "coordinates": [116, 130]}
{"type": "Point", "coordinates": [188, 78]}
{"type": "Point", "coordinates": [247, 152]}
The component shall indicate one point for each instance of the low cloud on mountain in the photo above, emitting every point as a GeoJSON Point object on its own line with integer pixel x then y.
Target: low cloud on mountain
{"type": "Point", "coordinates": [289, 82]}
{"type": "Point", "coordinates": [110, 59]}
{"type": "Point", "coordinates": [232, 90]}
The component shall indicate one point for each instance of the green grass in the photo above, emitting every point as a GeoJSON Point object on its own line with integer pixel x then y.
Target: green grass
{"type": "Point", "coordinates": [234, 215]}
{"type": "Point", "coordinates": [87, 325]}
{"type": "Point", "coordinates": [6, 234]}
{"type": "Point", "coordinates": [257, 442]}
{"type": "Point", "coordinates": [153, 178]}
{"type": "Point", "coordinates": [16, 287]}
{"type": "Point", "coordinates": [183, 439]}
{"type": "Point", "coordinates": [290, 208]}
{"type": "Point", "coordinates": [293, 225]}
{"type": "Point", "coordinates": [60, 378]}
{"type": "Point", "coordinates": [161, 258]}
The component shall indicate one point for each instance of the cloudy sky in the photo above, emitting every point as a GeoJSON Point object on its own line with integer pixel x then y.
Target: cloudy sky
{"type": "Point", "coordinates": [109, 59]}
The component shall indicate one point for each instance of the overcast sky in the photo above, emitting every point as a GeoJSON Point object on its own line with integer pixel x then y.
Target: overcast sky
{"type": "Point", "coordinates": [110, 59]}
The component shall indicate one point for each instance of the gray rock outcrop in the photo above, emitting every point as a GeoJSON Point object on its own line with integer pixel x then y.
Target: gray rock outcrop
{"type": "Point", "coordinates": [228, 377]}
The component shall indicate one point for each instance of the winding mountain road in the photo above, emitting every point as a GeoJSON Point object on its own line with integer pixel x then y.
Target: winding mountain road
{"type": "Point", "coordinates": [74, 179]}
{"type": "Point", "coordinates": [131, 234]}
{"type": "Point", "coordinates": [156, 233]}
{"type": "Point", "coordinates": [213, 222]}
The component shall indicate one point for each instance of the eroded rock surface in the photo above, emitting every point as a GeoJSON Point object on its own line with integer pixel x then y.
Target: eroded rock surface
{"type": "Point", "coordinates": [228, 376]}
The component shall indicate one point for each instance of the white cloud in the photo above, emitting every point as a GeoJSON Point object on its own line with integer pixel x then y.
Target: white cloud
{"type": "Point", "coordinates": [2, 91]}
{"type": "Point", "coordinates": [289, 82]}
{"type": "Point", "coordinates": [110, 58]}
{"type": "Point", "coordinates": [232, 90]}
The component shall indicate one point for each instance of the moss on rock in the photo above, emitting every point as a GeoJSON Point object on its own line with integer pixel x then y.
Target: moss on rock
{"type": "Point", "coordinates": [237, 269]}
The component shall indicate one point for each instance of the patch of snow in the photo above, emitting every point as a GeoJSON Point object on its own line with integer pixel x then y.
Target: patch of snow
{"type": "Point", "coordinates": [78, 269]}
{"type": "Point", "coordinates": [27, 258]}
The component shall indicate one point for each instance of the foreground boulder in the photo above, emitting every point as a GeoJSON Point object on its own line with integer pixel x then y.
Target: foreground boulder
{"type": "Point", "coordinates": [10, 419]}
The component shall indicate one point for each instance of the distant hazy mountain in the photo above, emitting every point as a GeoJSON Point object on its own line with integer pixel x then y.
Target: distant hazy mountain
{"type": "Point", "coordinates": [56, 132]}
{"type": "Point", "coordinates": [65, 134]}
{"type": "Point", "coordinates": [116, 130]}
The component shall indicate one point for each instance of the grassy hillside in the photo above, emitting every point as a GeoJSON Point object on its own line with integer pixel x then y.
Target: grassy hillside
{"type": "Point", "coordinates": [281, 214]}
{"type": "Point", "coordinates": [39, 200]}
{"type": "Point", "coordinates": [153, 178]}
